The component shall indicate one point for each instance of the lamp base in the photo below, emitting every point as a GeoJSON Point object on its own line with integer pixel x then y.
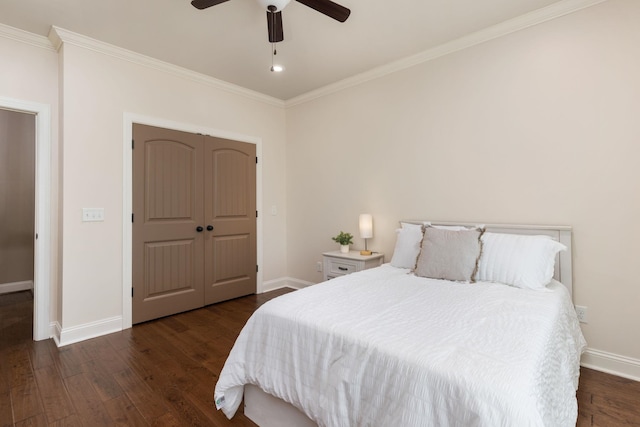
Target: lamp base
{"type": "Point", "coordinates": [365, 252]}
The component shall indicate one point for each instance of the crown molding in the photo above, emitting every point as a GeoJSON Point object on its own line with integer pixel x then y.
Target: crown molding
{"type": "Point", "coordinates": [59, 36]}
{"type": "Point", "coordinates": [25, 37]}
{"type": "Point", "coordinates": [539, 16]}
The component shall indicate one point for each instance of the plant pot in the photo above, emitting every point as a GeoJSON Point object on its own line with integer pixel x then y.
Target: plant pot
{"type": "Point", "coordinates": [344, 249]}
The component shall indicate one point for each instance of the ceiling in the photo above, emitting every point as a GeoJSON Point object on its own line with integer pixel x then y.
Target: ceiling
{"type": "Point", "coordinates": [229, 41]}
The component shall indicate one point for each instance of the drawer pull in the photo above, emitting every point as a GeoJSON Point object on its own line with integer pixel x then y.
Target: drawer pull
{"type": "Point", "coordinates": [343, 269]}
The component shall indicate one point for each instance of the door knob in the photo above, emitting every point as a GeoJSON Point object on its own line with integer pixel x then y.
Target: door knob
{"type": "Point", "coordinates": [209, 227]}
{"type": "Point", "coordinates": [199, 229]}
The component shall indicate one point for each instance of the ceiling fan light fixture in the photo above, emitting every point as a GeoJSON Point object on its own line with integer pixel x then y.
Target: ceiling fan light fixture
{"type": "Point", "coordinates": [274, 9]}
{"type": "Point", "coordinates": [277, 68]}
{"type": "Point", "coordinates": [279, 4]}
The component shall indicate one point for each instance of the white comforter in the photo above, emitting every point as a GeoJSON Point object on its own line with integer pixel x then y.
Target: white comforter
{"type": "Point", "coordinates": [385, 348]}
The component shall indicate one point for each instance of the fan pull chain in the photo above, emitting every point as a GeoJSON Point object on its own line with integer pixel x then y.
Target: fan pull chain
{"type": "Point", "coordinates": [274, 68]}
{"type": "Point", "coordinates": [273, 53]}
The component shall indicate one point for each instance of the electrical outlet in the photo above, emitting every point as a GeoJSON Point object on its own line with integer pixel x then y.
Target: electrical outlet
{"type": "Point", "coordinates": [319, 266]}
{"type": "Point", "coordinates": [582, 313]}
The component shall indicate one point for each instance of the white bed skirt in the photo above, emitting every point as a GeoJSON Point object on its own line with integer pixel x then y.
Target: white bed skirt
{"type": "Point", "coordinates": [269, 411]}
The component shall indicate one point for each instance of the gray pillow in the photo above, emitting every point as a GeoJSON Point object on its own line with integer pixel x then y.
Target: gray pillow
{"type": "Point", "coordinates": [449, 255]}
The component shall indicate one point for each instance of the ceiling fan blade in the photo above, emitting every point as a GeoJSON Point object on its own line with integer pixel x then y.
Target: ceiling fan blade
{"type": "Point", "coordinates": [274, 25]}
{"type": "Point", "coordinates": [203, 4]}
{"type": "Point", "coordinates": [329, 8]}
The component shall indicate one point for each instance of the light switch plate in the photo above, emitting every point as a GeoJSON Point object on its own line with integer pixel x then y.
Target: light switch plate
{"type": "Point", "coordinates": [92, 214]}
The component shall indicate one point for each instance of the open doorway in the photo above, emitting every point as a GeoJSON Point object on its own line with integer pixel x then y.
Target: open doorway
{"type": "Point", "coordinates": [41, 221]}
{"type": "Point", "coordinates": [17, 222]}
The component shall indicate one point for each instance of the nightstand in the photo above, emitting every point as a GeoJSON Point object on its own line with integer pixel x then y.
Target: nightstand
{"type": "Point", "coordinates": [336, 263]}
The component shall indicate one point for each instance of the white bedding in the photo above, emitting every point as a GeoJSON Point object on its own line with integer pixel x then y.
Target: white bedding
{"type": "Point", "coordinates": [383, 347]}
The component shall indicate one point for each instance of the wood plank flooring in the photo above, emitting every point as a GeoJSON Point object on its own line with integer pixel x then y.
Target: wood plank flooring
{"type": "Point", "coordinates": [162, 373]}
{"type": "Point", "coordinates": [607, 400]}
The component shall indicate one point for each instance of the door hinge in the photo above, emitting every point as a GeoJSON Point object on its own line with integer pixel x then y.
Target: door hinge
{"type": "Point", "coordinates": [131, 217]}
{"type": "Point", "coordinates": [256, 214]}
{"type": "Point", "coordinates": [132, 292]}
{"type": "Point", "coordinates": [36, 236]}
{"type": "Point", "coordinates": [256, 268]}
{"type": "Point", "coordinates": [133, 143]}
{"type": "Point", "coordinates": [256, 159]}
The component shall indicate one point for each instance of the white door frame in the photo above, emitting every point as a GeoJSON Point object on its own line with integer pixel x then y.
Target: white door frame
{"type": "Point", "coordinates": [127, 196]}
{"type": "Point", "coordinates": [42, 245]}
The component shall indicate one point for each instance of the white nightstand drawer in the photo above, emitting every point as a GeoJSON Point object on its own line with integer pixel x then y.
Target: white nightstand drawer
{"type": "Point", "coordinates": [339, 266]}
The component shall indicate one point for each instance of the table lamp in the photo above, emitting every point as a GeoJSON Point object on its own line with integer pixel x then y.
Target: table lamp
{"type": "Point", "coordinates": [366, 231]}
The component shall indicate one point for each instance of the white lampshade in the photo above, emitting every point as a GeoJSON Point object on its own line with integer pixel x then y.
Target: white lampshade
{"type": "Point", "coordinates": [366, 226]}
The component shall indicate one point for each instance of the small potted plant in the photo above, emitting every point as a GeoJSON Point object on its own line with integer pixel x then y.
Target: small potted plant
{"type": "Point", "coordinates": [344, 240]}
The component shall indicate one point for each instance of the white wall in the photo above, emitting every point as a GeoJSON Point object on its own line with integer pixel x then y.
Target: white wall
{"type": "Point", "coordinates": [537, 127]}
{"type": "Point", "coordinates": [97, 90]}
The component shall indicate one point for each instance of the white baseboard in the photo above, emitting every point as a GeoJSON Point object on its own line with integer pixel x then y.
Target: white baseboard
{"type": "Point", "coordinates": [56, 331]}
{"type": "Point", "coordinates": [6, 288]}
{"type": "Point", "coordinates": [610, 363]}
{"type": "Point", "coordinates": [284, 282]}
{"type": "Point", "coordinates": [66, 336]}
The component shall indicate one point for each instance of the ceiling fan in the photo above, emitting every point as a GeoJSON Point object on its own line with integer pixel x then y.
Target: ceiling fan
{"type": "Point", "coordinates": [274, 12]}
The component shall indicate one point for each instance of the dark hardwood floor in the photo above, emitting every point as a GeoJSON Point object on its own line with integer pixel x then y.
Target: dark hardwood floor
{"type": "Point", "coordinates": [607, 400]}
{"type": "Point", "coordinates": [162, 373]}
{"type": "Point", "coordinates": [159, 373]}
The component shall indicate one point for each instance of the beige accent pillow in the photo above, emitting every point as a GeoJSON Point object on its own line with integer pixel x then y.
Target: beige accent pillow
{"type": "Point", "coordinates": [449, 255]}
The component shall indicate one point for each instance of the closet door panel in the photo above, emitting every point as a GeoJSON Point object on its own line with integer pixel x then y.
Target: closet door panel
{"type": "Point", "coordinates": [230, 208]}
{"type": "Point", "coordinates": [168, 251]}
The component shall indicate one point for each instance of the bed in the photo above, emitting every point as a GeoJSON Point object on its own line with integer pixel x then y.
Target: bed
{"type": "Point", "coordinates": [386, 346]}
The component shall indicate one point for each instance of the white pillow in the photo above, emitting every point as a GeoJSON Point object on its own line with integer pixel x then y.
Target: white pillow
{"type": "Point", "coordinates": [407, 247]}
{"type": "Point", "coordinates": [518, 260]}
